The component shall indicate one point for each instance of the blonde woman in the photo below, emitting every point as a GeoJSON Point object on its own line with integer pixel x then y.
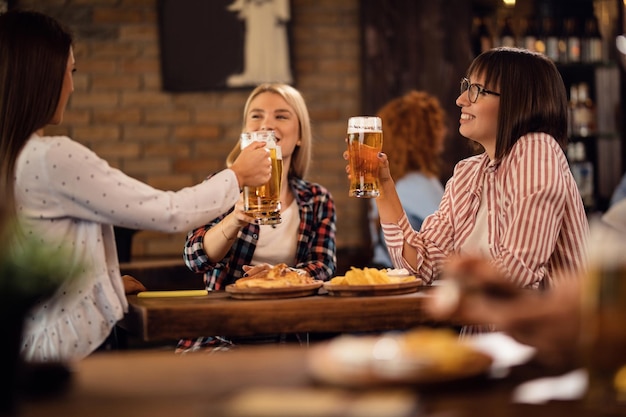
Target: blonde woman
{"type": "Point", "coordinates": [232, 245]}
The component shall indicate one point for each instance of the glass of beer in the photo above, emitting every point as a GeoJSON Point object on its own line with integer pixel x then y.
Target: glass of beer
{"type": "Point", "coordinates": [365, 141]}
{"type": "Point", "coordinates": [263, 202]}
{"type": "Point", "coordinates": [603, 333]}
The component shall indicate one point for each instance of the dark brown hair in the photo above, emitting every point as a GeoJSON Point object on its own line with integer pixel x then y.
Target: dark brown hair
{"type": "Point", "coordinates": [34, 49]}
{"type": "Point", "coordinates": [413, 133]}
{"type": "Point", "coordinates": [532, 95]}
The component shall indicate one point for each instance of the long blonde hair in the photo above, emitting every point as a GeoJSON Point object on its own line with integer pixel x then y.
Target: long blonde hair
{"type": "Point", "coordinates": [301, 157]}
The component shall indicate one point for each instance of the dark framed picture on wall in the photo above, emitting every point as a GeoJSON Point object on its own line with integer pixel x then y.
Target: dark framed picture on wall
{"type": "Point", "coordinates": [6, 5]}
{"type": "Point", "coordinates": [222, 44]}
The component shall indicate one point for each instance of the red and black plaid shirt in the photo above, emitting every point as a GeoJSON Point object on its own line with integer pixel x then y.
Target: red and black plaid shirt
{"type": "Point", "coordinates": [316, 250]}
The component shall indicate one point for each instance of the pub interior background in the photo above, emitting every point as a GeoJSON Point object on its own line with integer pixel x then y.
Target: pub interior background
{"type": "Point", "coordinates": [347, 58]}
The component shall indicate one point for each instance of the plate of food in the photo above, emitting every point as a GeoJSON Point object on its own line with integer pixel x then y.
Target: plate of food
{"type": "Point", "coordinates": [371, 281]}
{"type": "Point", "coordinates": [417, 356]}
{"type": "Point", "coordinates": [280, 281]}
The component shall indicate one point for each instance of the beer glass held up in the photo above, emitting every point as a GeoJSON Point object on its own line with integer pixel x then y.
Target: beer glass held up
{"type": "Point", "coordinates": [365, 141]}
{"type": "Point", "coordinates": [263, 202]}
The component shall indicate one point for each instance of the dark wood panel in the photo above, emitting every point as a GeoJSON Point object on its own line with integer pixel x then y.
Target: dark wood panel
{"type": "Point", "coordinates": [418, 44]}
{"type": "Point", "coordinates": [164, 274]}
{"type": "Point", "coordinates": [154, 319]}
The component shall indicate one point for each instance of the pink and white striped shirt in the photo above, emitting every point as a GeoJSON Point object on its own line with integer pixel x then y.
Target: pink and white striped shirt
{"type": "Point", "coordinates": [535, 216]}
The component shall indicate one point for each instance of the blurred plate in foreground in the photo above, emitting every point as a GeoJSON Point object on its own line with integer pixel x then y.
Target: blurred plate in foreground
{"type": "Point", "coordinates": [414, 357]}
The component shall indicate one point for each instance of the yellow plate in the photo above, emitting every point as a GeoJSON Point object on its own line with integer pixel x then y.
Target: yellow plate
{"type": "Point", "coordinates": [174, 293]}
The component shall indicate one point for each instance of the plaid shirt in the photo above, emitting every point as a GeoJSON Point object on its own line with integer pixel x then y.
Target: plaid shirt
{"type": "Point", "coordinates": [316, 251]}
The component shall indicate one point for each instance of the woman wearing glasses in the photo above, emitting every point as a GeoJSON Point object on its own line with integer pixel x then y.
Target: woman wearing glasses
{"type": "Point", "coordinates": [516, 203]}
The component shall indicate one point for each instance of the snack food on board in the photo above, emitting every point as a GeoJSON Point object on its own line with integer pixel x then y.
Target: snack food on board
{"type": "Point", "coordinates": [370, 276]}
{"type": "Point", "coordinates": [278, 276]}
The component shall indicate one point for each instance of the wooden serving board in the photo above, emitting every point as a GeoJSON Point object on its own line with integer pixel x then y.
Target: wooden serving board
{"type": "Point", "coordinates": [372, 290]}
{"type": "Point", "coordinates": [273, 293]}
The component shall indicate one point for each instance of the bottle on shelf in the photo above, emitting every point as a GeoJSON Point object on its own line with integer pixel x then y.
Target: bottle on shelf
{"type": "Point", "coordinates": [507, 36]}
{"type": "Point", "coordinates": [529, 36]}
{"type": "Point", "coordinates": [550, 38]}
{"type": "Point", "coordinates": [591, 44]}
{"type": "Point", "coordinates": [573, 39]}
{"type": "Point", "coordinates": [483, 38]}
{"type": "Point", "coordinates": [584, 113]}
{"type": "Point", "coordinates": [582, 171]}
{"type": "Point", "coordinates": [562, 43]}
{"type": "Point", "coordinates": [571, 110]}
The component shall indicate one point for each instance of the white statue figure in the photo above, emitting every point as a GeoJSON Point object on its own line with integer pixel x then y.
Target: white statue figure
{"type": "Point", "coordinates": [266, 48]}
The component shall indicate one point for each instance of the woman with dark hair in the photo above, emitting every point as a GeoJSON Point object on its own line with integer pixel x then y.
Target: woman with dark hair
{"type": "Point", "coordinates": [64, 194]}
{"type": "Point", "coordinates": [515, 204]}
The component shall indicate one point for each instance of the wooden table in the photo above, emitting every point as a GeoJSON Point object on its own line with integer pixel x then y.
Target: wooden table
{"type": "Point", "coordinates": [154, 319]}
{"type": "Point", "coordinates": [155, 384]}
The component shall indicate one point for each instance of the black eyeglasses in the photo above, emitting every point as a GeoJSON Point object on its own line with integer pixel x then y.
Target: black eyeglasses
{"type": "Point", "coordinates": [473, 90]}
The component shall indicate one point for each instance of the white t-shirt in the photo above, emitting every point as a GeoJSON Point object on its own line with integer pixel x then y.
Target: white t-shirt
{"type": "Point", "coordinates": [477, 243]}
{"type": "Point", "coordinates": [278, 243]}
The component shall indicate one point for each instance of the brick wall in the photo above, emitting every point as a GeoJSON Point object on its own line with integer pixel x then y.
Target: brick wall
{"type": "Point", "coordinates": [174, 140]}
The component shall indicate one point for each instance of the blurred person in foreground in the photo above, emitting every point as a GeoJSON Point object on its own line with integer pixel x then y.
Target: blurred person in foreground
{"type": "Point", "coordinates": [414, 129]}
{"type": "Point", "coordinates": [62, 193]}
{"type": "Point", "coordinates": [549, 320]}
{"type": "Point", "coordinates": [516, 203]}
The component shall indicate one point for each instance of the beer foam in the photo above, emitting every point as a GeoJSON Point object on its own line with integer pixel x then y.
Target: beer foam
{"type": "Point", "coordinates": [359, 124]}
{"type": "Point", "coordinates": [361, 129]}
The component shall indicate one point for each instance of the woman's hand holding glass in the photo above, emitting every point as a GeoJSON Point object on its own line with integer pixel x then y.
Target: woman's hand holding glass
{"type": "Point", "coordinates": [240, 217]}
{"type": "Point", "coordinates": [384, 175]}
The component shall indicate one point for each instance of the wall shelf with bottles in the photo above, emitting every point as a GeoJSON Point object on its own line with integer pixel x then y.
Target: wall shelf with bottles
{"type": "Point", "coordinates": [563, 42]}
{"type": "Point", "coordinates": [595, 147]}
{"type": "Point", "coordinates": [578, 35]}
